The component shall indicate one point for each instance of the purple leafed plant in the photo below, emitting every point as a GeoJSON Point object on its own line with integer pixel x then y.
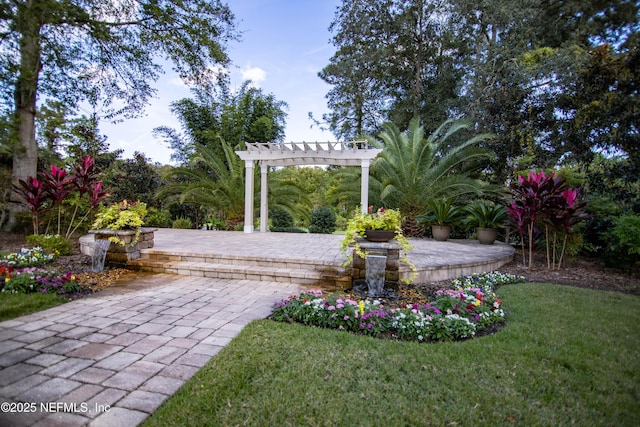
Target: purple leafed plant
{"type": "Point", "coordinates": [544, 200]}
{"type": "Point", "coordinates": [33, 193]}
{"type": "Point", "coordinates": [58, 185]}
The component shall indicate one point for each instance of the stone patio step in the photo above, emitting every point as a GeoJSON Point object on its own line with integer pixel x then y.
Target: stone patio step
{"type": "Point", "coordinates": [325, 276]}
{"type": "Point", "coordinates": [252, 260]}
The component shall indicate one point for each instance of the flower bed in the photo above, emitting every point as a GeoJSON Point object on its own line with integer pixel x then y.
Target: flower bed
{"type": "Point", "coordinates": [27, 257]}
{"type": "Point", "coordinates": [33, 279]}
{"type": "Point", "coordinates": [471, 306]}
{"type": "Point", "coordinates": [21, 272]}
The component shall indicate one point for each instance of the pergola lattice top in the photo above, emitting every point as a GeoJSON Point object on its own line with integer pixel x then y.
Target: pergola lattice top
{"type": "Point", "coordinates": [309, 153]}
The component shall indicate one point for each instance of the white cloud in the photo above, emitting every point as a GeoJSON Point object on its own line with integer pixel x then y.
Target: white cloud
{"type": "Point", "coordinates": [177, 81]}
{"type": "Point", "coordinates": [256, 74]}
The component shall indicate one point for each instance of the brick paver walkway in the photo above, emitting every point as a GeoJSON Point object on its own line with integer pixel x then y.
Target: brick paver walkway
{"type": "Point", "coordinates": [113, 358]}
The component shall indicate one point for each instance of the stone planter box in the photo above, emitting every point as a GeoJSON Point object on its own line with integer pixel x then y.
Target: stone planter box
{"type": "Point", "coordinates": [119, 254]}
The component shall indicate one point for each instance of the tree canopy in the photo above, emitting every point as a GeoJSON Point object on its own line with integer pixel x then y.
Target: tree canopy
{"type": "Point", "coordinates": [247, 115]}
{"type": "Point", "coordinates": [103, 52]}
{"type": "Point", "coordinates": [553, 80]}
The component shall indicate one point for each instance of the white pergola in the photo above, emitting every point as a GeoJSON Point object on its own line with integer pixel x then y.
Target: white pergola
{"type": "Point", "coordinates": [355, 153]}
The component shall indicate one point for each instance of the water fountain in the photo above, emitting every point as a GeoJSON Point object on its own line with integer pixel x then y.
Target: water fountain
{"type": "Point", "coordinates": [375, 272]}
{"type": "Point", "coordinates": [100, 248]}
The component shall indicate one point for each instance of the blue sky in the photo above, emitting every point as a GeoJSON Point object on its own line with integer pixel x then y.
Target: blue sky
{"type": "Point", "coordinates": [285, 43]}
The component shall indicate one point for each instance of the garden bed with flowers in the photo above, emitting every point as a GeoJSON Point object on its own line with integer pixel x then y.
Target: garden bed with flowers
{"type": "Point", "coordinates": [33, 270]}
{"type": "Point", "coordinates": [23, 272]}
{"type": "Point", "coordinates": [469, 307]}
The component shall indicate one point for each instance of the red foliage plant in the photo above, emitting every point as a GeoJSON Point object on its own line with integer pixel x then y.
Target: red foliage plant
{"type": "Point", "coordinates": [56, 184]}
{"type": "Point", "coordinates": [541, 200]}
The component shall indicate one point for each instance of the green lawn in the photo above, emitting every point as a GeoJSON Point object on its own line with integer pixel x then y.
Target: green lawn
{"type": "Point", "coordinates": [567, 356]}
{"type": "Point", "coordinates": [14, 305]}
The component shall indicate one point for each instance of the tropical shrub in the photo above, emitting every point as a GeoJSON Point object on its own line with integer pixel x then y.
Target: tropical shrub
{"type": "Point", "coordinates": [627, 231]}
{"type": "Point", "coordinates": [214, 223]}
{"type": "Point", "coordinates": [623, 250]}
{"type": "Point", "coordinates": [160, 218]}
{"type": "Point", "coordinates": [53, 244]}
{"type": "Point", "coordinates": [413, 168]}
{"type": "Point", "coordinates": [441, 212]}
{"type": "Point", "coordinates": [122, 216]}
{"type": "Point", "coordinates": [544, 201]}
{"type": "Point", "coordinates": [66, 190]}
{"type": "Point", "coordinates": [323, 221]}
{"type": "Point", "coordinates": [183, 223]}
{"type": "Point", "coordinates": [485, 215]}
{"type": "Point", "coordinates": [280, 219]}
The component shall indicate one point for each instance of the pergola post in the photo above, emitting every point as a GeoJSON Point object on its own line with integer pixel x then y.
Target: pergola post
{"type": "Point", "coordinates": [364, 185]}
{"type": "Point", "coordinates": [264, 198]}
{"type": "Point", "coordinates": [248, 196]}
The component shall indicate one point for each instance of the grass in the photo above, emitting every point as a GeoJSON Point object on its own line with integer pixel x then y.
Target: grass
{"type": "Point", "coordinates": [567, 356]}
{"type": "Point", "coordinates": [15, 305]}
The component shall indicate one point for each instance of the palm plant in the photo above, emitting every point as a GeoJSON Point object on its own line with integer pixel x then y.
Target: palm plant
{"type": "Point", "coordinates": [485, 215]}
{"type": "Point", "coordinates": [413, 169]}
{"type": "Point", "coordinates": [210, 181]}
{"type": "Point", "coordinates": [441, 212]}
{"type": "Point", "coordinates": [217, 183]}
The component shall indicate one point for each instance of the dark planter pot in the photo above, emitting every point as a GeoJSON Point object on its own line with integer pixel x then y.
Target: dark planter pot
{"type": "Point", "coordinates": [379, 235]}
{"type": "Point", "coordinates": [441, 232]}
{"type": "Point", "coordinates": [487, 236]}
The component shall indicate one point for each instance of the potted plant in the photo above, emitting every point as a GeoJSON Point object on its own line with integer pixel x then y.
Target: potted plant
{"type": "Point", "coordinates": [363, 224]}
{"type": "Point", "coordinates": [486, 218]}
{"type": "Point", "coordinates": [442, 216]}
{"type": "Point", "coordinates": [122, 216]}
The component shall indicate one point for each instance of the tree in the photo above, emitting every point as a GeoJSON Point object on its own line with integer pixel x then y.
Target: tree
{"type": "Point", "coordinates": [554, 81]}
{"type": "Point", "coordinates": [394, 61]}
{"type": "Point", "coordinates": [601, 106]}
{"type": "Point", "coordinates": [134, 179]}
{"type": "Point", "coordinates": [248, 115]}
{"type": "Point", "coordinates": [525, 59]}
{"type": "Point", "coordinates": [104, 52]}
{"type": "Point", "coordinates": [424, 78]}
{"type": "Point", "coordinates": [358, 100]}
{"type": "Point", "coordinates": [413, 169]}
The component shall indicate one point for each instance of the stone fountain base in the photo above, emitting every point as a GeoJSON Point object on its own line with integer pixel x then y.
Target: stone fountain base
{"type": "Point", "coordinates": [390, 250]}
{"type": "Point", "coordinates": [117, 253]}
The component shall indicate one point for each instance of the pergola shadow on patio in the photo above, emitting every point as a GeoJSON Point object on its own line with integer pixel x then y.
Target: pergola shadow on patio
{"type": "Point", "coordinates": [305, 259]}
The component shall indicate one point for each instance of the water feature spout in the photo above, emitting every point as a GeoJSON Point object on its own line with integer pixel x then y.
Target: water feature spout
{"type": "Point", "coordinates": [100, 248]}
{"type": "Point", "coordinates": [375, 272]}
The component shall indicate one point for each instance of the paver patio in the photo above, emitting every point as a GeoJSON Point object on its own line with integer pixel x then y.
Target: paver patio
{"type": "Point", "coordinates": [112, 358]}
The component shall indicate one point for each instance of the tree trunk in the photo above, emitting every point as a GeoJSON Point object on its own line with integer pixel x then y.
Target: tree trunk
{"type": "Point", "coordinates": [25, 154]}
